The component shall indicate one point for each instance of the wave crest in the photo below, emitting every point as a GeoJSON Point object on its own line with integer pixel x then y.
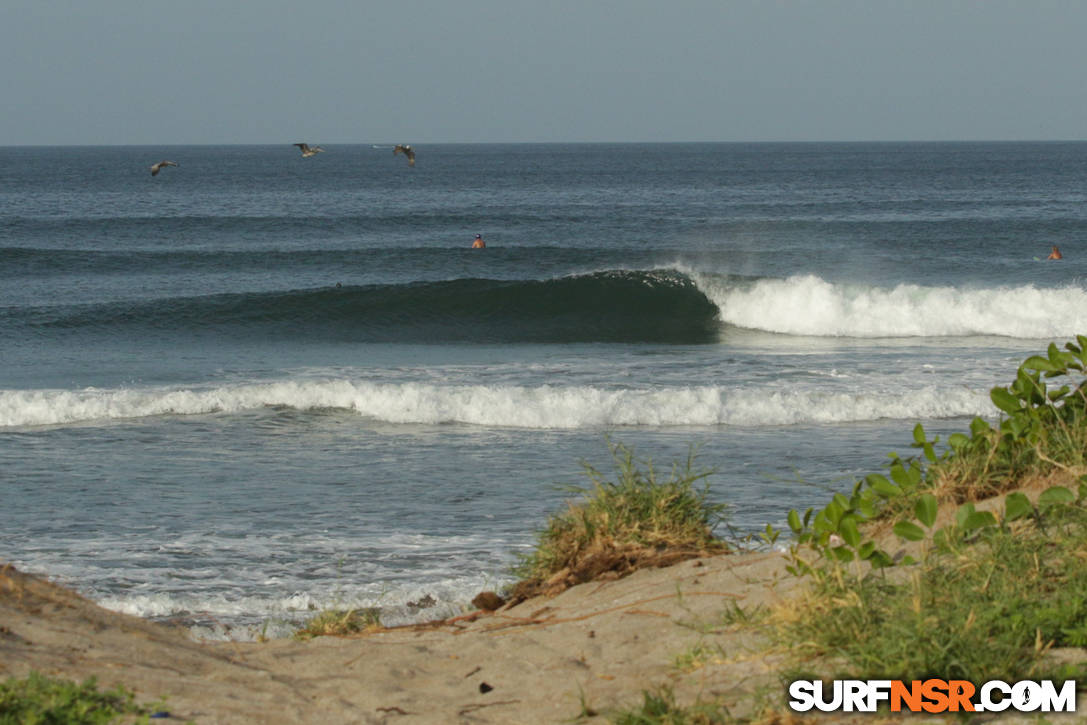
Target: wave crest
{"type": "Point", "coordinates": [808, 305]}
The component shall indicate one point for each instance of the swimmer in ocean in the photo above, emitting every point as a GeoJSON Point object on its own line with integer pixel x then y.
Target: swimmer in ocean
{"type": "Point", "coordinates": [479, 243]}
{"type": "Point", "coordinates": [1055, 254]}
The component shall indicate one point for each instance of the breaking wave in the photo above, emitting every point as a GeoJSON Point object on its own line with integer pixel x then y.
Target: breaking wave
{"type": "Point", "coordinates": [808, 305]}
{"type": "Point", "coordinates": [536, 407]}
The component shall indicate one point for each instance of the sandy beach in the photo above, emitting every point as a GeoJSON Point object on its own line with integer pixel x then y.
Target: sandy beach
{"type": "Point", "coordinates": [582, 655]}
{"type": "Point", "coordinates": [587, 651]}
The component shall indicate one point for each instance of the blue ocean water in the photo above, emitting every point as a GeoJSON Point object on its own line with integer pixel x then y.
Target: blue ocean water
{"type": "Point", "coordinates": [256, 384]}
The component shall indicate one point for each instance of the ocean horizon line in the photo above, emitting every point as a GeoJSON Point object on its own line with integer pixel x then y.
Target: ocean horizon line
{"type": "Point", "coordinates": [390, 144]}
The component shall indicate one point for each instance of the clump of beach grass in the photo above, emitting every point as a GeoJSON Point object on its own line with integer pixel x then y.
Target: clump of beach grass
{"type": "Point", "coordinates": [40, 699]}
{"type": "Point", "coordinates": [660, 708]}
{"type": "Point", "coordinates": [697, 656]}
{"type": "Point", "coordinates": [612, 528]}
{"type": "Point", "coordinates": [341, 623]}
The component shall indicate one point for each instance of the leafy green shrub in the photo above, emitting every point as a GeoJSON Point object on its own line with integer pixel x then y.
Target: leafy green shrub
{"type": "Point", "coordinates": [40, 699]}
{"type": "Point", "coordinates": [989, 600]}
{"type": "Point", "coordinates": [993, 592]}
{"type": "Point", "coordinates": [1043, 429]}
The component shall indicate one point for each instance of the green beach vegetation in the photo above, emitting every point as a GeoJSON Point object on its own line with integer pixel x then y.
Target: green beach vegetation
{"type": "Point", "coordinates": [1007, 601]}
{"type": "Point", "coordinates": [614, 527]}
{"type": "Point", "coordinates": [1041, 438]}
{"type": "Point", "coordinates": [965, 561]}
{"type": "Point", "coordinates": [340, 622]}
{"type": "Point", "coordinates": [39, 699]}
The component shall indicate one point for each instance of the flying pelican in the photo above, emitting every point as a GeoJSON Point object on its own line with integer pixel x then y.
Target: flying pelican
{"type": "Point", "coordinates": [308, 150]}
{"type": "Point", "coordinates": [407, 151]}
{"type": "Point", "coordinates": [155, 168]}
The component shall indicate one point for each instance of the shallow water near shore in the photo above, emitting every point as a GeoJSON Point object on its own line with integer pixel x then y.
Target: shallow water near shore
{"type": "Point", "coordinates": [229, 398]}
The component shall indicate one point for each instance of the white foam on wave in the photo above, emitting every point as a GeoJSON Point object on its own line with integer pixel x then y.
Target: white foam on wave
{"type": "Point", "coordinates": [267, 583]}
{"type": "Point", "coordinates": [809, 305]}
{"type": "Point", "coordinates": [248, 617]}
{"type": "Point", "coordinates": [538, 407]}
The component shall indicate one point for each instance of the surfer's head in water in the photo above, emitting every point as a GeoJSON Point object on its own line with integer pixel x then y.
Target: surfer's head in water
{"type": "Point", "coordinates": [479, 243]}
{"type": "Point", "coordinates": [1055, 254]}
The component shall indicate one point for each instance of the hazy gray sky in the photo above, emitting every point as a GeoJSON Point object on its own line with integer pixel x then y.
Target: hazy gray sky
{"type": "Point", "coordinates": [428, 71]}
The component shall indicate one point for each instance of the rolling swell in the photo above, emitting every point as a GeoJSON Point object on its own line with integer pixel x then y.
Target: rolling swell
{"type": "Point", "coordinates": [610, 306]}
{"type": "Point", "coordinates": [20, 262]}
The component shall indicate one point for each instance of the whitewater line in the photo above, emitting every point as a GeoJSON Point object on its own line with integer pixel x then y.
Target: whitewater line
{"type": "Point", "coordinates": [536, 407]}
